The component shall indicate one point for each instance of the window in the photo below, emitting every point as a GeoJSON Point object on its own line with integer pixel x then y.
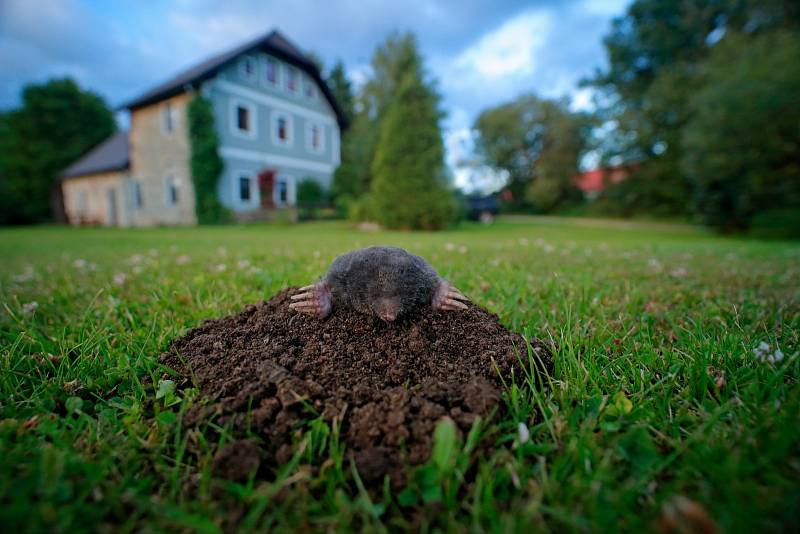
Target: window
{"type": "Point", "coordinates": [245, 188]}
{"type": "Point", "coordinates": [173, 190]}
{"type": "Point", "coordinates": [83, 201]}
{"type": "Point", "coordinates": [282, 133]}
{"type": "Point", "coordinates": [291, 79]}
{"type": "Point", "coordinates": [282, 190]}
{"type": "Point", "coordinates": [315, 137]}
{"type": "Point", "coordinates": [247, 67]}
{"type": "Point", "coordinates": [309, 89]}
{"type": "Point", "coordinates": [271, 71]}
{"type": "Point", "coordinates": [169, 116]}
{"type": "Point", "coordinates": [243, 118]}
{"type": "Point", "coordinates": [137, 195]}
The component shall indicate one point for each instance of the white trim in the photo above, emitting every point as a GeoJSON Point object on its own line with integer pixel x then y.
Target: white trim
{"type": "Point", "coordinates": [276, 115]}
{"type": "Point", "coordinates": [273, 102]}
{"type": "Point", "coordinates": [309, 82]}
{"type": "Point", "coordinates": [309, 146]}
{"type": "Point", "coordinates": [271, 159]}
{"type": "Point", "coordinates": [255, 194]}
{"type": "Point", "coordinates": [233, 118]}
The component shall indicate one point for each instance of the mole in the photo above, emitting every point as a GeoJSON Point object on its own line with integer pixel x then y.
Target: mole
{"type": "Point", "coordinates": [385, 282]}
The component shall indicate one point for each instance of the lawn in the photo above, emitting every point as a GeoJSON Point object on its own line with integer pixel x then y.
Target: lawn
{"type": "Point", "coordinates": [675, 393]}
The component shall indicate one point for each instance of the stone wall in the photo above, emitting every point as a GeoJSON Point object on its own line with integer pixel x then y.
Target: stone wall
{"type": "Point", "coordinates": [155, 155]}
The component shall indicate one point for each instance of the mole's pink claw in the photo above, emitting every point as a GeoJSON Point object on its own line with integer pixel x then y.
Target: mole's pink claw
{"type": "Point", "coordinates": [448, 298]}
{"type": "Point", "coordinates": [315, 299]}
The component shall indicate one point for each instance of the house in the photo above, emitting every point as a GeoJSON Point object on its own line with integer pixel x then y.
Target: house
{"type": "Point", "coordinates": [277, 122]}
{"type": "Point", "coordinates": [593, 182]}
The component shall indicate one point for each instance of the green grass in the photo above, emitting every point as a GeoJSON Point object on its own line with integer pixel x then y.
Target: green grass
{"type": "Point", "coordinates": [656, 394]}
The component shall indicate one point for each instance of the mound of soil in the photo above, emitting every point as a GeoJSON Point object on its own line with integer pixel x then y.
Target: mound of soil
{"type": "Point", "coordinates": [388, 384]}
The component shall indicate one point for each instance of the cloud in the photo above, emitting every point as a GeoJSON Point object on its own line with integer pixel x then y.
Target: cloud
{"type": "Point", "coordinates": [509, 51]}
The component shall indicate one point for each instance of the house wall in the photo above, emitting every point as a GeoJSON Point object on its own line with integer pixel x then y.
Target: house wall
{"type": "Point", "coordinates": [261, 149]}
{"type": "Point", "coordinates": [86, 199]}
{"type": "Point", "coordinates": [158, 157]}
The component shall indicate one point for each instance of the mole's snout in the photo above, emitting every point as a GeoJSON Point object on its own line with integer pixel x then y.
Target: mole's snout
{"type": "Point", "coordinates": [387, 309]}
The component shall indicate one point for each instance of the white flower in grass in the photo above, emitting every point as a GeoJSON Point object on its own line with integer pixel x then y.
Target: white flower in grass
{"type": "Point", "coordinates": [654, 264]}
{"type": "Point", "coordinates": [137, 269]}
{"type": "Point", "coordinates": [220, 268]}
{"type": "Point", "coordinates": [462, 249]}
{"type": "Point", "coordinates": [222, 251]}
{"type": "Point", "coordinates": [523, 434]}
{"type": "Point", "coordinates": [764, 353]}
{"type": "Point", "coordinates": [548, 248]}
{"type": "Point", "coordinates": [79, 264]}
{"type": "Point", "coordinates": [679, 272]}
{"type": "Point", "coordinates": [183, 259]}
{"type": "Point", "coordinates": [449, 247]}
{"type": "Point", "coordinates": [119, 279]}
{"type": "Point", "coordinates": [29, 307]}
{"type": "Point", "coordinates": [243, 264]}
{"type": "Point", "coordinates": [523, 241]}
{"type": "Point", "coordinates": [25, 276]}
{"type": "Point", "coordinates": [136, 259]}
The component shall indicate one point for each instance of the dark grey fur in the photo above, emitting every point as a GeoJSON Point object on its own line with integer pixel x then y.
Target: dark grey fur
{"type": "Point", "coordinates": [363, 277]}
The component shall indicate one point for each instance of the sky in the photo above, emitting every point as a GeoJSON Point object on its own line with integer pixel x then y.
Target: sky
{"type": "Point", "coordinates": [482, 53]}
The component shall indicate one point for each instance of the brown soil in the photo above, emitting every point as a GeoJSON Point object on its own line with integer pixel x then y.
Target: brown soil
{"type": "Point", "coordinates": [387, 383]}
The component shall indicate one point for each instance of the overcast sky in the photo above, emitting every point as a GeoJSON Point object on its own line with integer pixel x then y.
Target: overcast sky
{"type": "Point", "coordinates": [482, 53]}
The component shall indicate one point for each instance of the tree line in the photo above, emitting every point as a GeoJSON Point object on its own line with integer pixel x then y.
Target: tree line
{"type": "Point", "coordinates": [700, 101]}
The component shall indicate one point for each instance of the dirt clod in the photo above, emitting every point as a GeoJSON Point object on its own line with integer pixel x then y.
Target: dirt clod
{"type": "Point", "coordinates": [267, 370]}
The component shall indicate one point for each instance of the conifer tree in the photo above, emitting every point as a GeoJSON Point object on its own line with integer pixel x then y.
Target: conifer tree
{"type": "Point", "coordinates": [409, 189]}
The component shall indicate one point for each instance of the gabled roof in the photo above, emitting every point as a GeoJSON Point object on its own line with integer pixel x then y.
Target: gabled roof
{"type": "Point", "coordinates": [110, 155]}
{"type": "Point", "coordinates": [274, 43]}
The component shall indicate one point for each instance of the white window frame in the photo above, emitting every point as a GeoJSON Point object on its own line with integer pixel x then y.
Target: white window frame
{"type": "Point", "coordinates": [169, 115]}
{"type": "Point", "coordinates": [243, 69]}
{"type": "Point", "coordinates": [296, 71]}
{"type": "Point", "coordinates": [309, 146]}
{"type": "Point", "coordinates": [290, 190]}
{"type": "Point", "coordinates": [255, 194]}
{"type": "Point", "coordinates": [234, 118]}
{"type": "Point", "coordinates": [172, 178]}
{"type": "Point", "coordinates": [277, 141]}
{"type": "Point", "coordinates": [277, 82]}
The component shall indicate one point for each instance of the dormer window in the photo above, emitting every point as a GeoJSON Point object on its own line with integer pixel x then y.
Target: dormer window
{"type": "Point", "coordinates": [309, 89]}
{"type": "Point", "coordinates": [247, 67]}
{"type": "Point", "coordinates": [291, 79]}
{"type": "Point", "coordinates": [271, 70]}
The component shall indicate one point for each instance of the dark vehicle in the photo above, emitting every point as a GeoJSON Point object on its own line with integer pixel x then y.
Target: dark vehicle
{"type": "Point", "coordinates": [482, 208]}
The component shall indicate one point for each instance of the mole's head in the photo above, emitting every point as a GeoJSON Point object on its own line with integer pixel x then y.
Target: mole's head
{"type": "Point", "coordinates": [386, 307]}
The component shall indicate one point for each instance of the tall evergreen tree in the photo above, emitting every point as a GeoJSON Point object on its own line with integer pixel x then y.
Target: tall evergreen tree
{"type": "Point", "coordinates": [409, 189]}
{"type": "Point", "coordinates": [57, 123]}
{"type": "Point", "coordinates": [342, 90]}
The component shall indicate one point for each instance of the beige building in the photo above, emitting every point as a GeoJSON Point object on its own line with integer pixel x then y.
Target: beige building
{"type": "Point", "coordinates": [139, 178]}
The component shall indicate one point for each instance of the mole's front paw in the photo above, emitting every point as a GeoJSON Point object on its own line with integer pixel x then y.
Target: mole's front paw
{"type": "Point", "coordinates": [447, 297]}
{"type": "Point", "coordinates": [315, 299]}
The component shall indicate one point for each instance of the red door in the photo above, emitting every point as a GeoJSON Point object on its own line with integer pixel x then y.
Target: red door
{"type": "Point", "coordinates": [266, 183]}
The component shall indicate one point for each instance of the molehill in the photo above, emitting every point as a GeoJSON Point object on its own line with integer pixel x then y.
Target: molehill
{"type": "Point", "coordinates": [266, 369]}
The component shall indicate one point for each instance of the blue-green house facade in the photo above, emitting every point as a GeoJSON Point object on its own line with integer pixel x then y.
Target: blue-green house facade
{"type": "Point", "coordinates": [271, 117]}
{"type": "Point", "coordinates": [277, 122]}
